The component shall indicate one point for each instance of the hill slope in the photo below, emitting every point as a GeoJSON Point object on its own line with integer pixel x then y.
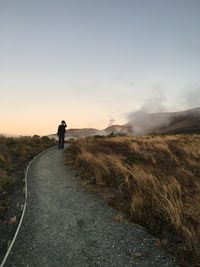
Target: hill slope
{"type": "Point", "coordinates": [160, 123]}
{"type": "Point", "coordinates": [142, 123]}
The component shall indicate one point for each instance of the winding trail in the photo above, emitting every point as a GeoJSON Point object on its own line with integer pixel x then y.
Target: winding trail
{"type": "Point", "coordinates": [64, 225]}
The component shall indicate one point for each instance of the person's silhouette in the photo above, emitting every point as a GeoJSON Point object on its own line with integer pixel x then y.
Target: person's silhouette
{"type": "Point", "coordinates": [61, 134]}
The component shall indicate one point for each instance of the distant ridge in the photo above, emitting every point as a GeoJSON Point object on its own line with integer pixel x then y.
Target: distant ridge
{"type": "Point", "coordinates": [179, 122]}
{"type": "Point", "coordinates": [82, 132]}
{"type": "Point", "coordinates": [187, 121]}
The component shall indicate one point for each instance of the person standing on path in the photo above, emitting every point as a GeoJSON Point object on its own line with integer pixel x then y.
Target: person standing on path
{"type": "Point", "coordinates": [61, 134]}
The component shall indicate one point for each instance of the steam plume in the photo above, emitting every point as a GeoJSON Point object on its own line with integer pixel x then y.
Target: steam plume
{"type": "Point", "coordinates": [143, 122]}
{"type": "Point", "coordinates": [111, 121]}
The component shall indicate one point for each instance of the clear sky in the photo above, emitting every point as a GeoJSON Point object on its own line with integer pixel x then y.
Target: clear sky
{"type": "Point", "coordinates": [92, 61]}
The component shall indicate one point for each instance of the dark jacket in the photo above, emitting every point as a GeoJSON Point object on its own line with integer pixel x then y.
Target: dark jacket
{"type": "Point", "coordinates": [61, 130]}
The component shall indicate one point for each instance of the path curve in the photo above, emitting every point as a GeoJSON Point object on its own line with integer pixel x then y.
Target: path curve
{"type": "Point", "coordinates": [64, 225]}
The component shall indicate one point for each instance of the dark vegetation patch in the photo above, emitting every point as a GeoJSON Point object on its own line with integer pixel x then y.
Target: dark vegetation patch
{"type": "Point", "coordinates": [15, 154]}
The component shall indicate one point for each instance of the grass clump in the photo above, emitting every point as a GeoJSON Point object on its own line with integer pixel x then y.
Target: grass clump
{"type": "Point", "coordinates": [156, 179]}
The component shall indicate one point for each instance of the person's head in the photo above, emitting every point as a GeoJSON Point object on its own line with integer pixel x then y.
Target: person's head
{"type": "Point", "coordinates": [62, 122]}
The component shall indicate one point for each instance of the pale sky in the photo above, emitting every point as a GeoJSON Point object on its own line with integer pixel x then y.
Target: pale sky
{"type": "Point", "coordinates": [90, 61]}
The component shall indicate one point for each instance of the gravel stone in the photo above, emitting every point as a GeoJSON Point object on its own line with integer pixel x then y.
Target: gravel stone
{"type": "Point", "coordinates": [64, 225]}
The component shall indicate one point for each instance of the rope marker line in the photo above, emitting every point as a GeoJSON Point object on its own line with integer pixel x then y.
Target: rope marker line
{"type": "Point", "coordinates": [24, 208]}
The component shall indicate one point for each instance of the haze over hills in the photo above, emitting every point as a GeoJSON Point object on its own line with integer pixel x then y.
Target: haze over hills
{"type": "Point", "coordinates": [166, 122]}
{"type": "Point", "coordinates": [141, 123]}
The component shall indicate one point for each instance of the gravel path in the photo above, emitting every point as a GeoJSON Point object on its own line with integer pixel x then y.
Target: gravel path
{"type": "Point", "coordinates": [64, 225]}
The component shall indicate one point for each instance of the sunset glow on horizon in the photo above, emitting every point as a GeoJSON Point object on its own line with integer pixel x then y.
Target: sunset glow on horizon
{"type": "Point", "coordinates": [90, 62]}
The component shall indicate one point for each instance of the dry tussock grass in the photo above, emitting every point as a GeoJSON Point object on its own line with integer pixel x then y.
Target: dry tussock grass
{"type": "Point", "coordinates": [158, 178]}
{"type": "Point", "coordinates": [15, 153]}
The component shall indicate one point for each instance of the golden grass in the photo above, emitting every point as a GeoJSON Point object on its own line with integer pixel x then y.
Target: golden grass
{"type": "Point", "coordinates": [158, 179]}
{"type": "Point", "coordinates": [15, 153]}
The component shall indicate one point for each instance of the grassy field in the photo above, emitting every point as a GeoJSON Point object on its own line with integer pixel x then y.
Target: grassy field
{"type": "Point", "coordinates": [155, 179]}
{"type": "Point", "coordinates": [15, 153]}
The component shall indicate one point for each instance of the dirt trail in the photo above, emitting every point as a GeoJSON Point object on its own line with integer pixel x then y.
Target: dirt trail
{"type": "Point", "coordinates": [64, 225]}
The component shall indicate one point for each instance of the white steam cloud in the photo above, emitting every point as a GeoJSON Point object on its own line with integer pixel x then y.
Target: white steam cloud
{"type": "Point", "coordinates": [192, 96]}
{"type": "Point", "coordinates": [153, 115]}
{"type": "Point", "coordinates": [144, 123]}
{"type": "Point", "coordinates": [111, 121]}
